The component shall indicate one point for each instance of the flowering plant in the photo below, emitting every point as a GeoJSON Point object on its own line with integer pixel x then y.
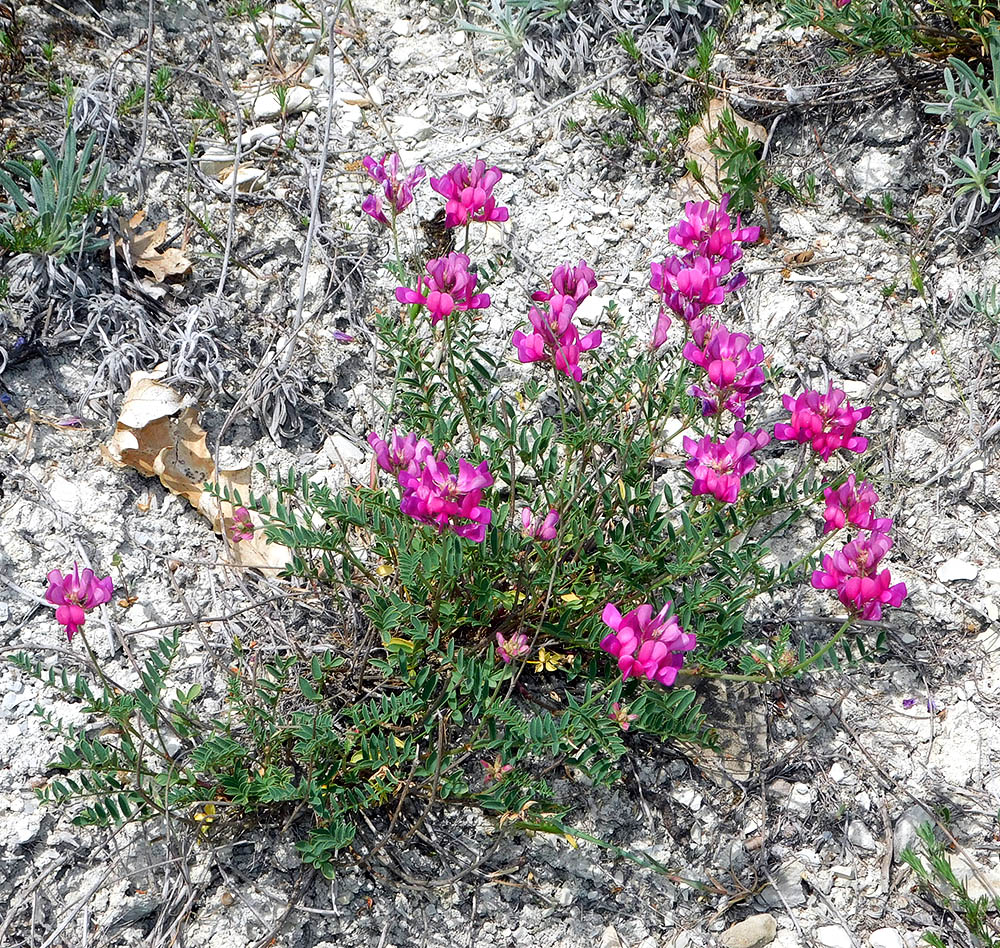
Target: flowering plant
{"type": "Point", "coordinates": [553, 550]}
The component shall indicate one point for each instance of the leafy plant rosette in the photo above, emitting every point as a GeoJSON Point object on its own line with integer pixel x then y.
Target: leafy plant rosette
{"type": "Point", "coordinates": [548, 559]}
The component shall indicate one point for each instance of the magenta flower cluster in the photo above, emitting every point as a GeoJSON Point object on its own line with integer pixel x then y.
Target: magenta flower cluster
{"type": "Point", "coordinates": [860, 585]}
{"type": "Point", "coordinates": [687, 285]}
{"type": "Point", "coordinates": [469, 194]}
{"type": "Point", "coordinates": [825, 421]}
{"type": "Point", "coordinates": [76, 594]}
{"type": "Point", "coordinates": [431, 492]}
{"type": "Point", "coordinates": [448, 286]}
{"type": "Point", "coordinates": [647, 645]}
{"type": "Point", "coordinates": [733, 370]}
{"type": "Point", "coordinates": [555, 337]}
{"type": "Point", "coordinates": [717, 467]}
{"type": "Point", "coordinates": [396, 193]}
{"type": "Point", "coordinates": [851, 503]}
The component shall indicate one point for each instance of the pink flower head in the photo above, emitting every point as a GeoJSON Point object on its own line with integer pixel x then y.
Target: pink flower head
{"type": "Point", "coordinates": [75, 594]}
{"type": "Point", "coordinates": [709, 232]}
{"type": "Point", "coordinates": [621, 717]}
{"type": "Point", "coordinates": [450, 502]}
{"type": "Point", "coordinates": [840, 4]}
{"type": "Point", "coordinates": [645, 644]}
{"type": "Point", "coordinates": [733, 370]}
{"type": "Point", "coordinates": [242, 526]}
{"type": "Point", "coordinates": [577, 282]}
{"type": "Point", "coordinates": [469, 194]}
{"type": "Point", "coordinates": [405, 453]}
{"type": "Point", "coordinates": [397, 192]}
{"type": "Point", "coordinates": [546, 530]}
{"type": "Point", "coordinates": [448, 286]}
{"type": "Point", "coordinates": [849, 504]}
{"type": "Point", "coordinates": [514, 647]}
{"type": "Point", "coordinates": [826, 421]}
{"type": "Point", "coordinates": [496, 771]}
{"type": "Point", "coordinates": [686, 287]}
{"type": "Point", "coordinates": [853, 573]}
{"type": "Point", "coordinates": [718, 467]}
{"type": "Point", "coordinates": [555, 338]}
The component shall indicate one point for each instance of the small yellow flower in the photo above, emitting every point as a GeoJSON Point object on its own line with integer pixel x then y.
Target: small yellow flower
{"type": "Point", "coordinates": [205, 816]}
{"type": "Point", "coordinates": [549, 661]}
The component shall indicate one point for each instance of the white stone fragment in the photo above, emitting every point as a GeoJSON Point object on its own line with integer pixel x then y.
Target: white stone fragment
{"type": "Point", "coordinates": [957, 570]}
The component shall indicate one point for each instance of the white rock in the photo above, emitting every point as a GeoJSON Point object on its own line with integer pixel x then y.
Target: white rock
{"type": "Point", "coordinates": [401, 54]}
{"type": "Point", "coordinates": [411, 128]}
{"type": "Point", "coordinates": [321, 64]}
{"type": "Point", "coordinates": [859, 835]}
{"type": "Point", "coordinates": [215, 160]}
{"type": "Point", "coordinates": [259, 134]}
{"type": "Point", "coordinates": [268, 106]}
{"type": "Point", "coordinates": [400, 27]}
{"type": "Point", "coordinates": [248, 180]}
{"type": "Point", "coordinates": [837, 772]}
{"type": "Point", "coordinates": [904, 833]}
{"type": "Point", "coordinates": [610, 939]}
{"type": "Point", "coordinates": [458, 38]}
{"type": "Point", "coordinates": [878, 171]}
{"type": "Point", "coordinates": [376, 94]}
{"type": "Point", "coordinates": [843, 872]}
{"type": "Point", "coordinates": [800, 800]}
{"type": "Point", "coordinates": [689, 797]}
{"type": "Point", "coordinates": [834, 936]}
{"type": "Point", "coordinates": [992, 575]}
{"type": "Point", "coordinates": [342, 450]}
{"type": "Point", "coordinates": [886, 938]}
{"type": "Point", "coordinates": [957, 570]}
{"type": "Point", "coordinates": [753, 932]}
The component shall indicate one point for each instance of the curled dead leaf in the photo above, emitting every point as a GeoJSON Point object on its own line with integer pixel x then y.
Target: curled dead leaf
{"type": "Point", "coordinates": [158, 435]}
{"type": "Point", "coordinates": [142, 250]}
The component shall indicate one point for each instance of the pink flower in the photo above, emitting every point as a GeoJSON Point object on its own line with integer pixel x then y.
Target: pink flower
{"type": "Point", "coordinates": [686, 286]}
{"type": "Point", "coordinates": [398, 193]}
{"type": "Point", "coordinates": [555, 338]}
{"type": "Point", "coordinates": [733, 370]}
{"type": "Point", "coordinates": [852, 572]}
{"type": "Point", "coordinates": [718, 468]}
{"type": "Point", "coordinates": [645, 644]}
{"type": "Point", "coordinates": [496, 771]}
{"type": "Point", "coordinates": [448, 286]}
{"type": "Point", "coordinates": [708, 232]}
{"type": "Point", "coordinates": [621, 717]}
{"type": "Point", "coordinates": [514, 647]}
{"type": "Point", "coordinates": [847, 504]}
{"type": "Point", "coordinates": [75, 594]}
{"type": "Point", "coordinates": [840, 4]}
{"type": "Point", "coordinates": [826, 421]}
{"type": "Point", "coordinates": [576, 282]}
{"type": "Point", "coordinates": [436, 496]}
{"type": "Point", "coordinates": [546, 530]}
{"type": "Point", "coordinates": [405, 453]}
{"type": "Point", "coordinates": [242, 526]}
{"type": "Point", "coordinates": [469, 194]}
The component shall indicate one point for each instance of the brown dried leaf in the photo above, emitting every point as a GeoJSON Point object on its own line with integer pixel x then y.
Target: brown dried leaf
{"type": "Point", "coordinates": [699, 150]}
{"type": "Point", "coordinates": [143, 250]}
{"type": "Point", "coordinates": [158, 434]}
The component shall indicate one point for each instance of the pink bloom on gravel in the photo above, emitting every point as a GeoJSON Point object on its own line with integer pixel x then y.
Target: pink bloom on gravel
{"type": "Point", "coordinates": [686, 287]}
{"type": "Point", "coordinates": [826, 421]}
{"type": "Point", "coordinates": [403, 453]}
{"type": "Point", "coordinates": [396, 191]}
{"type": "Point", "coordinates": [644, 644]}
{"type": "Point", "coordinates": [496, 771]}
{"type": "Point", "coordinates": [709, 232]}
{"type": "Point", "coordinates": [576, 282]}
{"type": "Point", "coordinates": [718, 467]}
{"type": "Point", "coordinates": [621, 717]}
{"type": "Point", "coordinates": [853, 573]}
{"type": "Point", "coordinates": [545, 530]}
{"type": "Point", "coordinates": [514, 647]}
{"type": "Point", "coordinates": [733, 370]}
{"type": "Point", "coordinates": [448, 501]}
{"type": "Point", "coordinates": [448, 286]}
{"type": "Point", "coordinates": [75, 594]}
{"type": "Point", "coordinates": [556, 338]}
{"type": "Point", "coordinates": [849, 504]}
{"type": "Point", "coordinates": [469, 194]}
{"type": "Point", "coordinates": [242, 526]}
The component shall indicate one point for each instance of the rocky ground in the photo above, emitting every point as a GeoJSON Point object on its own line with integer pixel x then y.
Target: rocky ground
{"type": "Point", "coordinates": [798, 825]}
